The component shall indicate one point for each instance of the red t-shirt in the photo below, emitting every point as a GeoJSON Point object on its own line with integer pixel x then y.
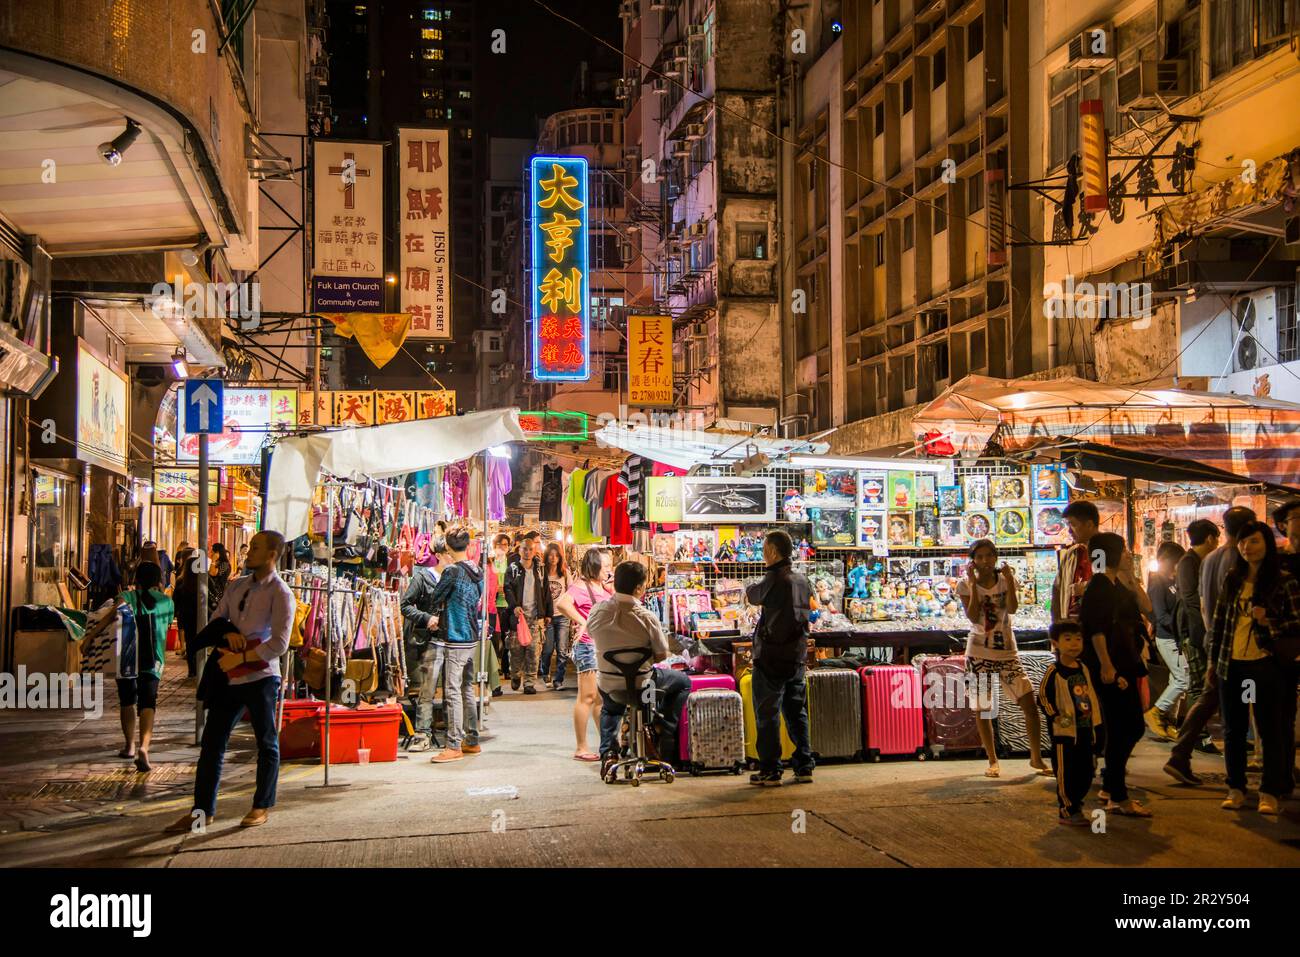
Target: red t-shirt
{"type": "Point", "coordinates": [620, 526]}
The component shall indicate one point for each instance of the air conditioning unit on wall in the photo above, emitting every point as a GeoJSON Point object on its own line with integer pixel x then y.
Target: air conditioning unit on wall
{"type": "Point", "coordinates": [1152, 82]}
{"type": "Point", "coordinates": [1253, 320]}
{"type": "Point", "coordinates": [1093, 48]}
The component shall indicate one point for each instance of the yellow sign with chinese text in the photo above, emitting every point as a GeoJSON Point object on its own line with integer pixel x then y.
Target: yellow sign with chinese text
{"type": "Point", "coordinates": [650, 360]}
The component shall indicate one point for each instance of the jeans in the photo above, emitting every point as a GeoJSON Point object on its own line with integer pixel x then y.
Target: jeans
{"type": "Point", "coordinates": [458, 663]}
{"type": "Point", "coordinates": [1167, 703]}
{"type": "Point", "coordinates": [1121, 712]}
{"type": "Point", "coordinates": [443, 661]}
{"type": "Point", "coordinates": [1194, 655]}
{"type": "Point", "coordinates": [523, 661]}
{"type": "Point", "coordinates": [259, 697]}
{"type": "Point", "coordinates": [774, 697]}
{"type": "Point", "coordinates": [672, 689]}
{"type": "Point", "coordinates": [1259, 683]}
{"type": "Point", "coordinates": [557, 640]}
{"type": "Point", "coordinates": [1193, 726]}
{"type": "Point", "coordinates": [500, 638]}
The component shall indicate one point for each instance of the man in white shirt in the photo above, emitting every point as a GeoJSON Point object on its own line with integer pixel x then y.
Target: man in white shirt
{"type": "Point", "coordinates": [262, 607]}
{"type": "Point", "coordinates": [623, 623]}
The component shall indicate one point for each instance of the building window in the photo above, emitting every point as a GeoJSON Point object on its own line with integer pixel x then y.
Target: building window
{"type": "Point", "coordinates": [359, 10]}
{"type": "Point", "coordinates": [979, 357]}
{"type": "Point", "coordinates": [433, 54]}
{"type": "Point", "coordinates": [975, 38]}
{"type": "Point", "coordinates": [909, 232]}
{"type": "Point", "coordinates": [433, 14]}
{"type": "Point", "coordinates": [429, 33]}
{"type": "Point", "coordinates": [880, 118]}
{"type": "Point", "coordinates": [975, 193]}
{"type": "Point", "coordinates": [880, 249]}
{"type": "Point", "coordinates": [907, 96]}
{"type": "Point", "coordinates": [1241, 31]}
{"type": "Point", "coordinates": [940, 210]}
{"type": "Point", "coordinates": [465, 94]}
{"type": "Point", "coordinates": [939, 69]}
{"type": "Point", "coordinates": [1288, 329]}
{"type": "Point", "coordinates": [751, 241]}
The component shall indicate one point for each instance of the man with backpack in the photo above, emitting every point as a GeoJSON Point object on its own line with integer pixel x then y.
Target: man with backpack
{"type": "Point", "coordinates": [420, 612]}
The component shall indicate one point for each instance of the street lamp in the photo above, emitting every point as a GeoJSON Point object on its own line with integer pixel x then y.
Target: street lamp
{"type": "Point", "coordinates": [179, 365]}
{"type": "Point", "coordinates": [112, 151]}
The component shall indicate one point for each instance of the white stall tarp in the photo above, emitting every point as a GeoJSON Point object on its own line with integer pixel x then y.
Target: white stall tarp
{"type": "Point", "coordinates": [378, 451]}
{"type": "Point", "coordinates": [685, 448]}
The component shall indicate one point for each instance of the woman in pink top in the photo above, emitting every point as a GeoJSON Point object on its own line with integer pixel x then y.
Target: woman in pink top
{"type": "Point", "coordinates": [576, 604]}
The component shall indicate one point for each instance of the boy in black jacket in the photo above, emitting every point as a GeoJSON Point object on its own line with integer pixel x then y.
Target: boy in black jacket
{"type": "Point", "coordinates": [1073, 712]}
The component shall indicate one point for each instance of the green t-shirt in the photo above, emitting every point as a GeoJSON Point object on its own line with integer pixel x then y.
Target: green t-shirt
{"type": "Point", "coordinates": [499, 565]}
{"type": "Point", "coordinates": [582, 533]}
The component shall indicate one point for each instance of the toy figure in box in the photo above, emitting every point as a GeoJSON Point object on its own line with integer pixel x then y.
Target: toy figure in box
{"type": "Point", "coordinates": [792, 505]}
{"type": "Point", "coordinates": [859, 610]}
{"type": "Point", "coordinates": [858, 581]}
{"type": "Point", "coordinates": [726, 552]}
{"type": "Point", "coordinates": [805, 550]}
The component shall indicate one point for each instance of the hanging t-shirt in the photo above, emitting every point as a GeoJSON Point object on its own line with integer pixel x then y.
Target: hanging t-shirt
{"type": "Point", "coordinates": [499, 484]}
{"type": "Point", "coordinates": [658, 469]}
{"type": "Point", "coordinates": [474, 490]}
{"type": "Point", "coordinates": [550, 509]}
{"type": "Point", "coordinates": [581, 513]}
{"type": "Point", "coordinates": [633, 474]}
{"type": "Point", "coordinates": [592, 493]}
{"type": "Point", "coordinates": [455, 483]}
{"type": "Point", "coordinates": [991, 636]}
{"type": "Point", "coordinates": [616, 498]}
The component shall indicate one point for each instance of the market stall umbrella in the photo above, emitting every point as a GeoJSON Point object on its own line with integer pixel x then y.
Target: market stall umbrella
{"type": "Point", "coordinates": [377, 451]}
{"type": "Point", "coordinates": [1241, 434]}
{"type": "Point", "coordinates": [684, 448]}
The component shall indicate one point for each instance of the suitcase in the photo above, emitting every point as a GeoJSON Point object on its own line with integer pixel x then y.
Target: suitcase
{"type": "Point", "coordinates": [1012, 735]}
{"type": "Point", "coordinates": [835, 713]}
{"type": "Point", "coordinates": [891, 711]}
{"type": "Point", "coordinates": [751, 723]}
{"type": "Point", "coordinates": [949, 727]}
{"type": "Point", "coordinates": [716, 737]}
{"type": "Point", "coordinates": [698, 683]}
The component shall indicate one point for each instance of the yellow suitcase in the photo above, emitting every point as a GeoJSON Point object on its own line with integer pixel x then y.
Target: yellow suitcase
{"type": "Point", "coordinates": [751, 722]}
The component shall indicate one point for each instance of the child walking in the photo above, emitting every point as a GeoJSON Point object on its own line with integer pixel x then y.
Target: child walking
{"type": "Point", "coordinates": [990, 597]}
{"type": "Point", "coordinates": [1074, 715]}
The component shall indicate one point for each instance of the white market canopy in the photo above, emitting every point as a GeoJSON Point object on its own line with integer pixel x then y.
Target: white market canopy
{"type": "Point", "coordinates": [377, 451]}
{"type": "Point", "coordinates": [685, 448]}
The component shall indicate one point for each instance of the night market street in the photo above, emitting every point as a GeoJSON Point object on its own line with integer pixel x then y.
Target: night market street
{"type": "Point", "coordinates": [899, 813]}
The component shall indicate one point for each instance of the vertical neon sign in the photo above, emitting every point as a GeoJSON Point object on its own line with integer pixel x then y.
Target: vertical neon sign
{"type": "Point", "coordinates": [561, 287]}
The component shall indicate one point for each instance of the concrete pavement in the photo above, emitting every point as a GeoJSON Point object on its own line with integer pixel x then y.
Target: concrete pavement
{"type": "Point", "coordinates": [411, 813]}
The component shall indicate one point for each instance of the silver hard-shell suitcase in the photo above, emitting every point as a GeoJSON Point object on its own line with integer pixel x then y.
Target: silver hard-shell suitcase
{"type": "Point", "coordinates": [835, 712]}
{"type": "Point", "coordinates": [717, 731]}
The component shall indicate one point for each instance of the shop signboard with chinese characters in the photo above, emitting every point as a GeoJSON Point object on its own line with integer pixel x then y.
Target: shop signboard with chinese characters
{"type": "Point", "coordinates": [424, 224]}
{"type": "Point", "coordinates": [180, 486]}
{"type": "Point", "coordinates": [561, 296]}
{"type": "Point", "coordinates": [650, 361]}
{"type": "Point", "coordinates": [251, 416]}
{"type": "Point", "coordinates": [554, 426]}
{"type": "Point", "coordinates": [375, 407]}
{"type": "Point", "coordinates": [348, 268]}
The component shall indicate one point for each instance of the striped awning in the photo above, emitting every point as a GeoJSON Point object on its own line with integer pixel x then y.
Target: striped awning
{"type": "Point", "coordinates": [1256, 438]}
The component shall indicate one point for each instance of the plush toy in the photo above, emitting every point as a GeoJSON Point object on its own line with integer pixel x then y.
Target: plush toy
{"type": "Point", "coordinates": [858, 581]}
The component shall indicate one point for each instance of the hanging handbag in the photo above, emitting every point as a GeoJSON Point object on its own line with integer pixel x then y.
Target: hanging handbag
{"type": "Point", "coordinates": [314, 664]}
{"type": "Point", "coordinates": [298, 636]}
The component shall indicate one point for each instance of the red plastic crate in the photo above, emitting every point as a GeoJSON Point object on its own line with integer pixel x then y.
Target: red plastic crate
{"type": "Point", "coordinates": [375, 729]}
{"type": "Point", "coordinates": [299, 733]}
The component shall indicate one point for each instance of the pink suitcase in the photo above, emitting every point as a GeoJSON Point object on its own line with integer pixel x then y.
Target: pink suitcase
{"type": "Point", "coordinates": [698, 683]}
{"type": "Point", "coordinates": [891, 710]}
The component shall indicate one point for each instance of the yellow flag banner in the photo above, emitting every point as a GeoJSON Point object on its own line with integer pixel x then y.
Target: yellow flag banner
{"type": "Point", "coordinates": [380, 334]}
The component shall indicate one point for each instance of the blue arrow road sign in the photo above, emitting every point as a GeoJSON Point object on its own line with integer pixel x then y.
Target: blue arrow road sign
{"type": "Point", "coordinates": [205, 401]}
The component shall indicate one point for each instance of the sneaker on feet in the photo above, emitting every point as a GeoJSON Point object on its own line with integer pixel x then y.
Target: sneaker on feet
{"type": "Point", "coordinates": [1155, 722]}
{"type": "Point", "coordinates": [1235, 800]}
{"type": "Point", "coordinates": [1129, 808]}
{"type": "Point", "coordinates": [471, 749]}
{"type": "Point", "coordinates": [498, 692]}
{"type": "Point", "coordinates": [1207, 746]}
{"type": "Point", "coordinates": [515, 682]}
{"type": "Point", "coordinates": [1181, 772]}
{"type": "Point", "coordinates": [766, 779]}
{"type": "Point", "coordinates": [420, 742]}
{"type": "Point", "coordinates": [446, 755]}
{"type": "Point", "coordinates": [1267, 803]}
{"type": "Point", "coordinates": [530, 689]}
{"type": "Point", "coordinates": [803, 777]}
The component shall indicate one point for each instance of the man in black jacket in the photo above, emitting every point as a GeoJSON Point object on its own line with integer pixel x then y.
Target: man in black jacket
{"type": "Point", "coordinates": [780, 647]}
{"type": "Point", "coordinates": [527, 599]}
{"type": "Point", "coordinates": [421, 621]}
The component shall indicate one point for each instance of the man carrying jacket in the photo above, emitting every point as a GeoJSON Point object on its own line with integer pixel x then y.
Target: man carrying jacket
{"type": "Point", "coordinates": [780, 647]}
{"type": "Point", "coordinates": [457, 597]}
{"type": "Point", "coordinates": [528, 599]}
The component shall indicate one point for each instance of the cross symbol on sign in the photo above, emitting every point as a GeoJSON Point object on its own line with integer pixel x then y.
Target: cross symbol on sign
{"type": "Point", "coordinates": [349, 188]}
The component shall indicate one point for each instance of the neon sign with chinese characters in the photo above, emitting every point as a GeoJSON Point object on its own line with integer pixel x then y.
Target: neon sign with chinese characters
{"type": "Point", "coordinates": [561, 286]}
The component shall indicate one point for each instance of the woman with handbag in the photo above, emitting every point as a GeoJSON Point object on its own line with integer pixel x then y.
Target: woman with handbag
{"type": "Point", "coordinates": [1253, 648]}
{"type": "Point", "coordinates": [558, 581]}
{"type": "Point", "coordinates": [590, 589]}
{"type": "Point", "coordinates": [185, 597]}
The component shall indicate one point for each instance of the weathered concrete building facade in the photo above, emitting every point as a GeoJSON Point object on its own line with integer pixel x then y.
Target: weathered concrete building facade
{"type": "Point", "coordinates": [701, 159]}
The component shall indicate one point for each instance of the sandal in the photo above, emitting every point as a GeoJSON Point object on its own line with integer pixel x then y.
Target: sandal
{"type": "Point", "coordinates": [993, 772]}
{"type": "Point", "coordinates": [1044, 772]}
{"type": "Point", "coordinates": [586, 756]}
